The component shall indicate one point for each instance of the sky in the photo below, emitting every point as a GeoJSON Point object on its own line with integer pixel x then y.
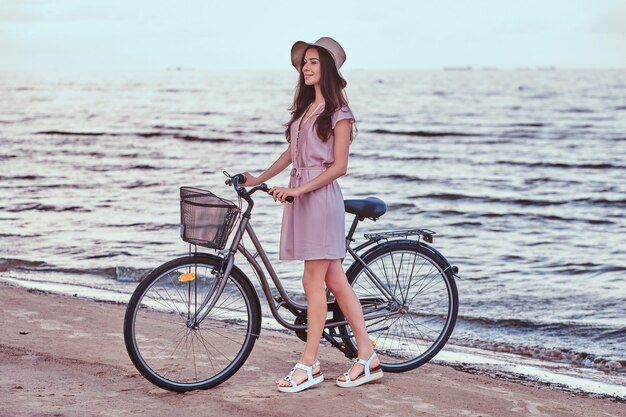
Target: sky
{"type": "Point", "coordinates": [80, 35]}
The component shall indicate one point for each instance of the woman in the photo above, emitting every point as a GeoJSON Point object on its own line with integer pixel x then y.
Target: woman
{"type": "Point", "coordinates": [319, 135]}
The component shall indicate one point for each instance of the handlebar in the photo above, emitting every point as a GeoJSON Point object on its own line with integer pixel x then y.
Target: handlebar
{"type": "Point", "coordinates": [237, 180]}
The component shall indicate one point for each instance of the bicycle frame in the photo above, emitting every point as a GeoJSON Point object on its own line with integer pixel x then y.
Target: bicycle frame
{"type": "Point", "coordinates": [236, 246]}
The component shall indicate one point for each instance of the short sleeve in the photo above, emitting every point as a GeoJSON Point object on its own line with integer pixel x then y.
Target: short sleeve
{"type": "Point", "coordinates": [343, 113]}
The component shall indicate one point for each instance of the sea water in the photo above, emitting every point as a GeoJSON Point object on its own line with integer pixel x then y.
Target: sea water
{"type": "Point", "coordinates": [522, 174]}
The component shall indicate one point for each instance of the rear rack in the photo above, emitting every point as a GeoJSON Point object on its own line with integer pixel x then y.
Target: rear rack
{"type": "Point", "coordinates": [427, 234]}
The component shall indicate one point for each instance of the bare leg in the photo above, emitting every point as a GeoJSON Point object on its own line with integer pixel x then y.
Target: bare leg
{"type": "Point", "coordinates": [350, 305]}
{"type": "Point", "coordinates": [315, 291]}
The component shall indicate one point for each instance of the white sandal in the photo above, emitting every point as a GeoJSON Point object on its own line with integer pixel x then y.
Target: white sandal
{"type": "Point", "coordinates": [368, 375]}
{"type": "Point", "coordinates": [310, 378]}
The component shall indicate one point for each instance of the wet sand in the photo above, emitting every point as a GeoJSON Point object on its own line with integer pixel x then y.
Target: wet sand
{"type": "Point", "coordinates": [65, 356]}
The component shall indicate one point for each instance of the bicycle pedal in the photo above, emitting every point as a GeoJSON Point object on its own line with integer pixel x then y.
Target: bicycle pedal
{"type": "Point", "coordinates": [372, 343]}
{"type": "Point", "coordinates": [189, 276]}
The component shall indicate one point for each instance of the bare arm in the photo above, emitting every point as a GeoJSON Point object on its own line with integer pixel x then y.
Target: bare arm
{"type": "Point", "coordinates": [283, 161]}
{"type": "Point", "coordinates": [338, 169]}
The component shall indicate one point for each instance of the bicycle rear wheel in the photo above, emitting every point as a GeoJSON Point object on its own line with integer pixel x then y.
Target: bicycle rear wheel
{"type": "Point", "coordinates": [413, 331]}
{"type": "Point", "coordinates": [176, 352]}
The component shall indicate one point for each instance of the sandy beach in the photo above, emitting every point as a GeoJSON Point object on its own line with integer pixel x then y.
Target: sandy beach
{"type": "Point", "coordinates": [65, 356]}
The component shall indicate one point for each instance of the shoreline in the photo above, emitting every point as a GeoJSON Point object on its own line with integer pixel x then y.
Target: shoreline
{"type": "Point", "coordinates": [62, 353]}
{"type": "Point", "coordinates": [502, 365]}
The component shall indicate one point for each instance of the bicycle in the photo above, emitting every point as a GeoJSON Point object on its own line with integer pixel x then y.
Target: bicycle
{"type": "Point", "coordinates": [192, 322]}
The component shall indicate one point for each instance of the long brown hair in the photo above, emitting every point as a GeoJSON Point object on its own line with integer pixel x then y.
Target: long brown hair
{"type": "Point", "coordinates": [334, 97]}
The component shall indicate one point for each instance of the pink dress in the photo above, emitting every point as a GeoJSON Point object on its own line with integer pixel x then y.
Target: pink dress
{"type": "Point", "coordinates": [314, 224]}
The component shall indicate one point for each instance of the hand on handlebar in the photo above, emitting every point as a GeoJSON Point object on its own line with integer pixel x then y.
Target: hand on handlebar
{"type": "Point", "coordinates": [283, 194]}
{"type": "Point", "coordinates": [250, 180]}
{"type": "Point", "coordinates": [238, 180]}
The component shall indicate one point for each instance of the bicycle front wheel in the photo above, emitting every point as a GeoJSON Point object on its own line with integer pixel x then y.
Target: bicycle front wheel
{"type": "Point", "coordinates": [411, 330]}
{"type": "Point", "coordinates": [166, 341]}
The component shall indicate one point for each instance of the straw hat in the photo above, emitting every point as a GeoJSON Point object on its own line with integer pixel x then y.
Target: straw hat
{"type": "Point", "coordinates": [329, 44]}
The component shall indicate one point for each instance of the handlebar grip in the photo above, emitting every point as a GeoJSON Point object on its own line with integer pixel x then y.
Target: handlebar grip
{"type": "Point", "coordinates": [241, 178]}
{"type": "Point", "coordinates": [289, 198]}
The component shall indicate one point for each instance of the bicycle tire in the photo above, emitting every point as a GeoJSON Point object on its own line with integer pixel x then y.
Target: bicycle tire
{"type": "Point", "coordinates": [170, 353]}
{"type": "Point", "coordinates": [408, 340]}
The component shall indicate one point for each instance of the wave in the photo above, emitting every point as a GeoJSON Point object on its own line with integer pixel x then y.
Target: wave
{"type": "Point", "coordinates": [20, 236]}
{"type": "Point", "coordinates": [451, 213]}
{"type": "Point", "coordinates": [550, 179]}
{"type": "Point", "coordinates": [398, 177]}
{"type": "Point", "coordinates": [181, 90]}
{"type": "Point", "coordinates": [576, 110]}
{"type": "Point", "coordinates": [144, 167]}
{"type": "Point", "coordinates": [421, 133]}
{"type": "Point", "coordinates": [169, 127]}
{"type": "Point", "coordinates": [141, 184]}
{"type": "Point", "coordinates": [45, 207]}
{"type": "Point", "coordinates": [10, 264]}
{"type": "Point", "coordinates": [191, 138]}
{"type": "Point", "coordinates": [400, 158]}
{"type": "Point", "coordinates": [510, 324]}
{"type": "Point", "coordinates": [530, 124]}
{"type": "Point", "coordinates": [21, 177]}
{"type": "Point", "coordinates": [513, 323]}
{"type": "Point", "coordinates": [59, 185]}
{"type": "Point", "coordinates": [256, 132]}
{"type": "Point", "coordinates": [146, 226]}
{"type": "Point", "coordinates": [603, 201]}
{"type": "Point", "coordinates": [604, 165]}
{"type": "Point", "coordinates": [119, 273]}
{"type": "Point", "coordinates": [559, 355]}
{"type": "Point", "coordinates": [109, 255]}
{"type": "Point", "coordinates": [466, 224]}
{"type": "Point", "coordinates": [68, 133]}
{"type": "Point", "coordinates": [399, 206]}
{"type": "Point", "coordinates": [586, 269]}
{"type": "Point", "coordinates": [527, 203]}
{"type": "Point", "coordinates": [152, 134]}
{"type": "Point", "coordinates": [160, 134]}
{"type": "Point", "coordinates": [610, 334]}
{"type": "Point", "coordinates": [106, 272]}
{"type": "Point", "coordinates": [203, 113]}
{"type": "Point", "coordinates": [519, 134]}
{"type": "Point", "coordinates": [553, 217]}
{"type": "Point", "coordinates": [524, 202]}
{"type": "Point", "coordinates": [128, 274]}
{"type": "Point", "coordinates": [185, 137]}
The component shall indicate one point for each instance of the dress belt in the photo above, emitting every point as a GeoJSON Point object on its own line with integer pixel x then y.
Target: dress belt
{"type": "Point", "coordinates": [295, 171]}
